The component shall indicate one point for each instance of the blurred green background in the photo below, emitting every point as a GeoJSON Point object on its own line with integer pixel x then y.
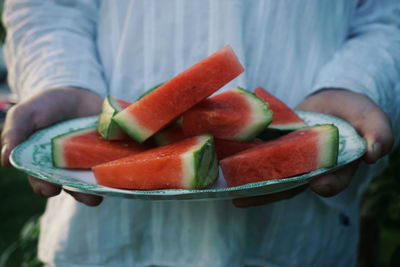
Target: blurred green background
{"type": "Point", "coordinates": [20, 211]}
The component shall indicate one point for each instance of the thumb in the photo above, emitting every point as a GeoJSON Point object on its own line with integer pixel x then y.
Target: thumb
{"type": "Point", "coordinates": [42, 110]}
{"type": "Point", "coordinates": [359, 110]}
{"type": "Point", "coordinates": [376, 129]}
{"type": "Point", "coordinates": [18, 126]}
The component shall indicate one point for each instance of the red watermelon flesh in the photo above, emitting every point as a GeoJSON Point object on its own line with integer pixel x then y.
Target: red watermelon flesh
{"type": "Point", "coordinates": [122, 103]}
{"type": "Point", "coordinates": [299, 152]}
{"type": "Point", "coordinates": [160, 107]}
{"type": "Point", "coordinates": [226, 148]}
{"type": "Point", "coordinates": [236, 115]}
{"type": "Point", "coordinates": [188, 164]}
{"type": "Point", "coordinates": [85, 148]}
{"type": "Point", "coordinates": [284, 117]}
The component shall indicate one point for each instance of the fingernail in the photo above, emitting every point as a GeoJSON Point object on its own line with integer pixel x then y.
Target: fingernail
{"type": "Point", "coordinates": [374, 151]}
{"type": "Point", "coordinates": [3, 157]}
{"type": "Point", "coordinates": [377, 150]}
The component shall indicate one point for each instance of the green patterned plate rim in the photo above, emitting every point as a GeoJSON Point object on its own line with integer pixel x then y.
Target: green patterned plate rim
{"type": "Point", "coordinates": [34, 158]}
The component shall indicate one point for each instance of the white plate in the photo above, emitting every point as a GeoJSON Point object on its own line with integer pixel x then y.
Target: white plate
{"type": "Point", "coordinates": [34, 157]}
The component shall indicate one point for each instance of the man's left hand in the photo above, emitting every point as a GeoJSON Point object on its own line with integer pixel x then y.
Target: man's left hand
{"type": "Point", "coordinates": [367, 118]}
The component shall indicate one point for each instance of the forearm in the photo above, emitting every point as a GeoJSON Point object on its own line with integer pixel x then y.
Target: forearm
{"type": "Point", "coordinates": [52, 44]}
{"type": "Point", "coordinates": [369, 61]}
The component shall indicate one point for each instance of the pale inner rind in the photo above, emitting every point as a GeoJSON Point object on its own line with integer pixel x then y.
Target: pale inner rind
{"type": "Point", "coordinates": [188, 164]}
{"type": "Point", "coordinates": [326, 147]}
{"type": "Point", "coordinates": [188, 169]}
{"type": "Point", "coordinates": [258, 115]}
{"type": "Point", "coordinates": [291, 126]}
{"type": "Point", "coordinates": [58, 144]}
{"type": "Point", "coordinates": [114, 104]}
{"type": "Point", "coordinates": [58, 153]}
{"type": "Point", "coordinates": [128, 122]}
{"type": "Point", "coordinates": [105, 122]}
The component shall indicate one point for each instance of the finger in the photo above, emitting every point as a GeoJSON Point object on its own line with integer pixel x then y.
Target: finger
{"type": "Point", "coordinates": [360, 111]}
{"type": "Point", "coordinates": [43, 188]}
{"type": "Point", "coordinates": [378, 134]}
{"type": "Point", "coordinates": [267, 199]}
{"type": "Point", "coordinates": [90, 200]}
{"type": "Point", "coordinates": [331, 184]}
{"type": "Point", "coordinates": [17, 127]}
{"type": "Point", "coordinates": [43, 110]}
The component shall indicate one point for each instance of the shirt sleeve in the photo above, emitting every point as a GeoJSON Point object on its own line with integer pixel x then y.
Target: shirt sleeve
{"type": "Point", "coordinates": [50, 44]}
{"type": "Point", "coordinates": [369, 61]}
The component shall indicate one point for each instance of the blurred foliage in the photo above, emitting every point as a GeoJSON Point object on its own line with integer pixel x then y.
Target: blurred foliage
{"type": "Point", "coordinates": [383, 199]}
{"type": "Point", "coordinates": [381, 208]}
{"type": "Point", "coordinates": [19, 211]}
{"type": "Point", "coordinates": [22, 252]}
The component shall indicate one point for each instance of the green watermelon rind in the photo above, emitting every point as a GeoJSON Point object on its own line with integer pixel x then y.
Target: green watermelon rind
{"type": "Point", "coordinates": [202, 160]}
{"type": "Point", "coordinates": [56, 145]}
{"type": "Point", "coordinates": [160, 139]}
{"type": "Point", "coordinates": [260, 109]}
{"type": "Point", "coordinates": [329, 145]}
{"type": "Point", "coordinates": [288, 126]}
{"type": "Point", "coordinates": [131, 127]}
{"type": "Point", "coordinates": [272, 132]}
{"type": "Point", "coordinates": [108, 129]}
{"type": "Point", "coordinates": [206, 159]}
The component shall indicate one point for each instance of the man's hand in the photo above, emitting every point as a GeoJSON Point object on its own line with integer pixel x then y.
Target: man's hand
{"type": "Point", "coordinates": [365, 116]}
{"type": "Point", "coordinates": [40, 111]}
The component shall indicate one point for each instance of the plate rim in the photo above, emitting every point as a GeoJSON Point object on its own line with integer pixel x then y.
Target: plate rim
{"type": "Point", "coordinates": [103, 190]}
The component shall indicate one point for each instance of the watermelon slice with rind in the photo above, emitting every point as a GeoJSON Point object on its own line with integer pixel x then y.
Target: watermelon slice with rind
{"type": "Point", "coordinates": [107, 128]}
{"type": "Point", "coordinates": [224, 148]}
{"type": "Point", "coordinates": [148, 115]}
{"type": "Point", "coordinates": [188, 164]}
{"type": "Point", "coordinates": [285, 119]}
{"type": "Point", "coordinates": [299, 152]}
{"type": "Point", "coordinates": [85, 148]}
{"type": "Point", "coordinates": [236, 115]}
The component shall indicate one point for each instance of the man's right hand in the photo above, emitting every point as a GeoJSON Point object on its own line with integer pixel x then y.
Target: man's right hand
{"type": "Point", "coordinates": [43, 110]}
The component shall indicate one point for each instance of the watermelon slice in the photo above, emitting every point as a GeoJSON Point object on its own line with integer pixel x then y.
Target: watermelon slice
{"type": "Point", "coordinates": [160, 107]}
{"type": "Point", "coordinates": [107, 128]}
{"type": "Point", "coordinates": [188, 164]}
{"type": "Point", "coordinates": [299, 152]}
{"type": "Point", "coordinates": [285, 119]}
{"type": "Point", "coordinates": [85, 148]}
{"type": "Point", "coordinates": [226, 148]}
{"type": "Point", "coordinates": [236, 115]}
{"type": "Point", "coordinates": [169, 135]}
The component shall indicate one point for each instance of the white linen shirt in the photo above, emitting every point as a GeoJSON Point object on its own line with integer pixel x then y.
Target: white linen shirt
{"type": "Point", "coordinates": [124, 47]}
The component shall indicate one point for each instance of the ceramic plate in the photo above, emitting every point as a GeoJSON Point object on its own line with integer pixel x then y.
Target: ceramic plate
{"type": "Point", "coordinates": [34, 157]}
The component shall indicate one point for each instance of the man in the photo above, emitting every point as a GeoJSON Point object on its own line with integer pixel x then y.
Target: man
{"type": "Point", "coordinates": [337, 57]}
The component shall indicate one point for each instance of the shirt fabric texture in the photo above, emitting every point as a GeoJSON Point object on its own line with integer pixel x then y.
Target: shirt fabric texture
{"type": "Point", "coordinates": [124, 47]}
